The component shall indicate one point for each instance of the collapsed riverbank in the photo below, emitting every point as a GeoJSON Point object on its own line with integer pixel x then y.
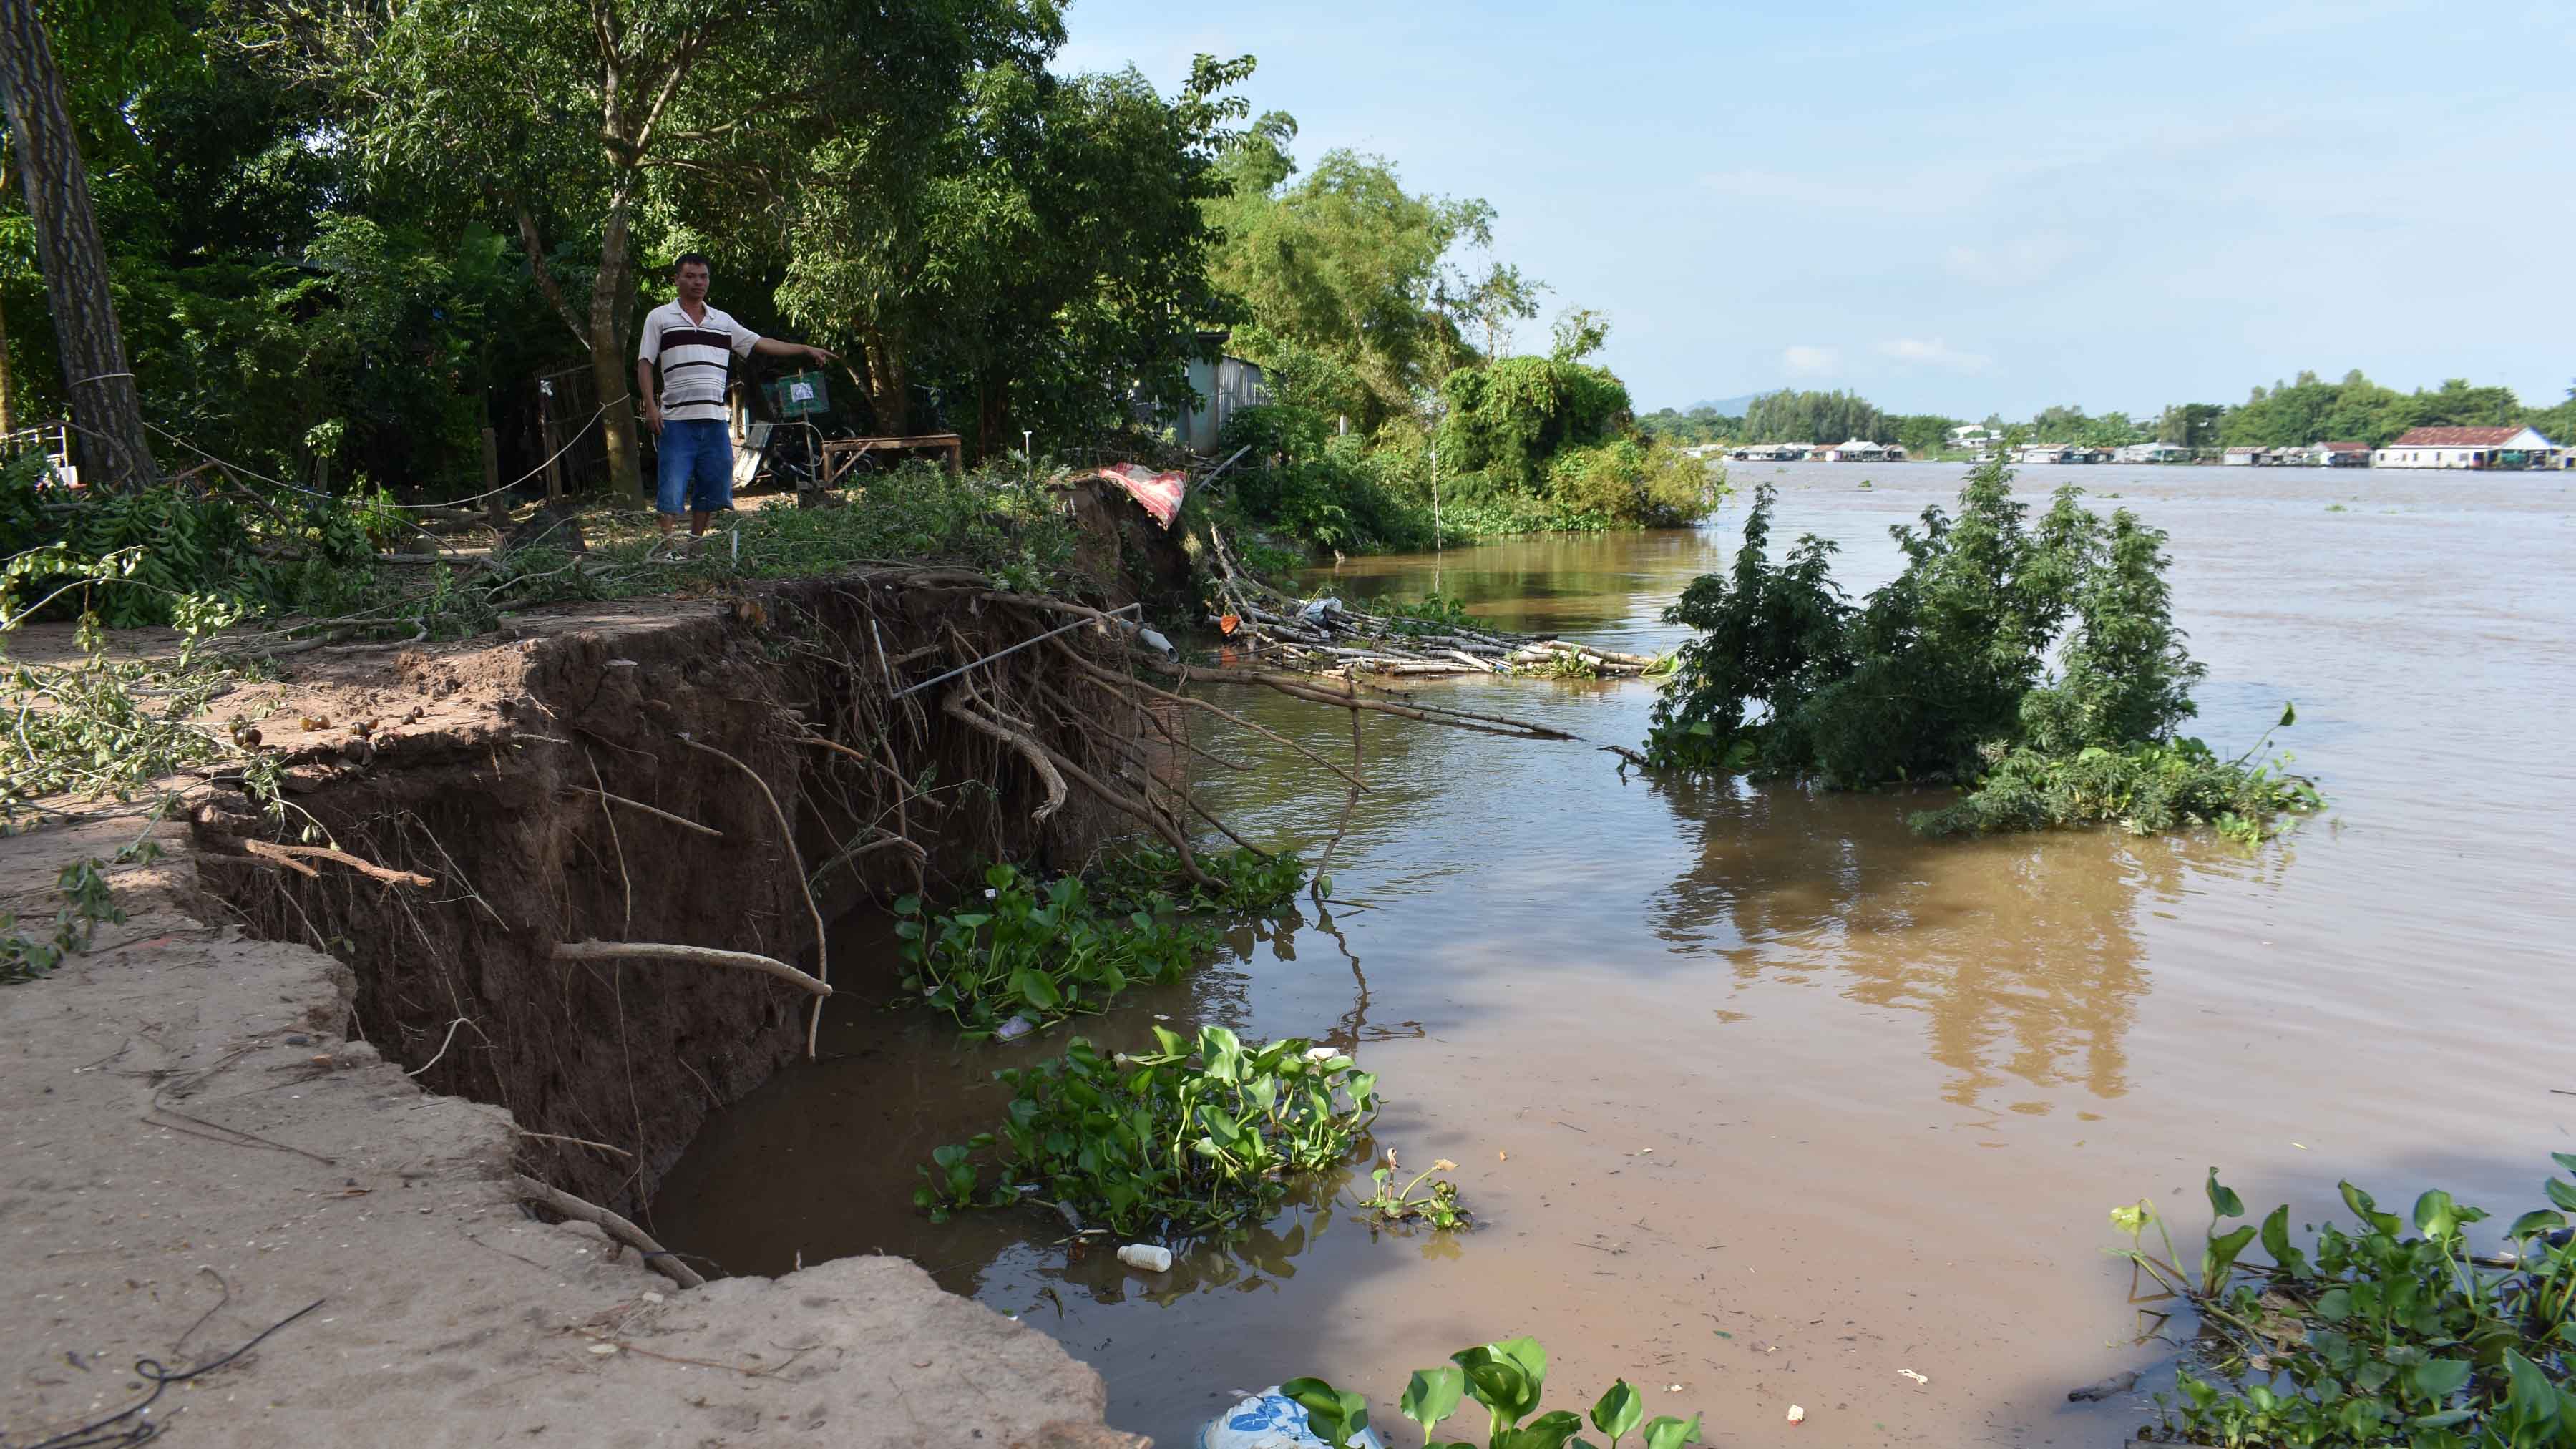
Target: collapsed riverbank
{"type": "Point", "coordinates": [292, 1076]}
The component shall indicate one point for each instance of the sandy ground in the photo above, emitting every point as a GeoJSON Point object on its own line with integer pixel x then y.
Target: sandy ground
{"type": "Point", "coordinates": [194, 1153]}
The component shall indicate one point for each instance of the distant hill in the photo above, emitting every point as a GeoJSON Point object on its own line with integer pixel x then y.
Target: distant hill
{"type": "Point", "coordinates": [1732, 407]}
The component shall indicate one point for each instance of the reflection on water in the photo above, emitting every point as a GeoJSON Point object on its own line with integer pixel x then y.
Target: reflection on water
{"type": "Point", "coordinates": [1754, 1092]}
{"type": "Point", "coordinates": [2024, 954]}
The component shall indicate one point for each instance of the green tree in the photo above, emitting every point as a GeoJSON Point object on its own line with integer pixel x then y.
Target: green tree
{"type": "Point", "coordinates": [1045, 250]}
{"type": "Point", "coordinates": [1922, 434]}
{"type": "Point", "coordinates": [97, 381]}
{"type": "Point", "coordinates": [568, 114]}
{"type": "Point", "coordinates": [1580, 332]}
{"type": "Point", "coordinates": [1816, 417]}
{"type": "Point", "coordinates": [1344, 262]}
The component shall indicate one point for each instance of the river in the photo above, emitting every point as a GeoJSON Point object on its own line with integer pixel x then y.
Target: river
{"type": "Point", "coordinates": [1761, 1100]}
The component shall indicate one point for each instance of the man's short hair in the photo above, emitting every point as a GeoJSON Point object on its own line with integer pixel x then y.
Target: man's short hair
{"type": "Point", "coordinates": [698, 257]}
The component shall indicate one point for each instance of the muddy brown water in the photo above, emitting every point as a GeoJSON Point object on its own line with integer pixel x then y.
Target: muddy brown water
{"type": "Point", "coordinates": [1760, 1099]}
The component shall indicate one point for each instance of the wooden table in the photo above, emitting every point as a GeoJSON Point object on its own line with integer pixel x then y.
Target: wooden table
{"type": "Point", "coordinates": [840, 455]}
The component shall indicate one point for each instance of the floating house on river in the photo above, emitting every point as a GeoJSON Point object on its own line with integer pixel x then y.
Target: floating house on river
{"type": "Point", "coordinates": [2471, 448]}
{"type": "Point", "coordinates": [2153, 453]}
{"type": "Point", "coordinates": [1857, 450]}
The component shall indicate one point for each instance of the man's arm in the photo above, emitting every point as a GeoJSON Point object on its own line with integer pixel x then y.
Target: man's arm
{"type": "Point", "coordinates": [644, 390]}
{"type": "Point", "coordinates": [772, 347]}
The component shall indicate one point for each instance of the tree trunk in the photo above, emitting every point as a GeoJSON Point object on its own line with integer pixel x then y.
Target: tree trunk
{"type": "Point", "coordinates": [608, 360]}
{"type": "Point", "coordinates": [993, 415]}
{"type": "Point", "coordinates": [106, 410]}
{"type": "Point", "coordinates": [889, 384]}
{"type": "Point", "coordinates": [8, 388]}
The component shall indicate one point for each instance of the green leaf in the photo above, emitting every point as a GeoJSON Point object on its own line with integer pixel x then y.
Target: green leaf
{"type": "Point", "coordinates": [2538, 1220]}
{"type": "Point", "coordinates": [1498, 1384]}
{"type": "Point", "coordinates": [1431, 1396]}
{"type": "Point", "coordinates": [2289, 715]}
{"type": "Point", "coordinates": [2531, 1394]}
{"type": "Point", "coordinates": [2434, 1215]}
{"type": "Point", "coordinates": [2439, 1378]}
{"type": "Point", "coordinates": [1335, 1417]}
{"type": "Point", "coordinates": [1035, 987]}
{"type": "Point", "coordinates": [2564, 1159]}
{"type": "Point", "coordinates": [2442, 1420]}
{"type": "Point", "coordinates": [2223, 1200]}
{"type": "Point", "coordinates": [1667, 1432]}
{"type": "Point", "coordinates": [2276, 1242]}
{"type": "Point", "coordinates": [2561, 1193]}
{"type": "Point", "coordinates": [1547, 1431]}
{"type": "Point", "coordinates": [2335, 1305]}
{"type": "Point", "coordinates": [2221, 1256]}
{"type": "Point", "coordinates": [1619, 1410]}
{"type": "Point", "coordinates": [2367, 1209]}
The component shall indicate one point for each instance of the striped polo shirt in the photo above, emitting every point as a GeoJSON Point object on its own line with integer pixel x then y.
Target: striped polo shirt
{"type": "Point", "coordinates": [693, 359]}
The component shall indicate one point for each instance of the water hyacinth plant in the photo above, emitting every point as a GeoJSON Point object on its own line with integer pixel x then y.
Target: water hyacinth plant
{"type": "Point", "coordinates": [1037, 952]}
{"type": "Point", "coordinates": [1507, 1378]}
{"type": "Point", "coordinates": [2374, 1336]}
{"type": "Point", "coordinates": [1197, 1135]}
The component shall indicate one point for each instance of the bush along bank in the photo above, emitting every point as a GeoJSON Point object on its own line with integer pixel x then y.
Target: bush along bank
{"type": "Point", "coordinates": [1942, 676]}
{"type": "Point", "coordinates": [1523, 445]}
{"type": "Point", "coordinates": [2373, 1336]}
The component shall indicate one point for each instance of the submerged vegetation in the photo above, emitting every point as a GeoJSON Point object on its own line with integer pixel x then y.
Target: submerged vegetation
{"type": "Point", "coordinates": [2375, 1337]}
{"type": "Point", "coordinates": [1194, 1136]}
{"type": "Point", "coordinates": [1943, 675]}
{"type": "Point", "coordinates": [1509, 1378]}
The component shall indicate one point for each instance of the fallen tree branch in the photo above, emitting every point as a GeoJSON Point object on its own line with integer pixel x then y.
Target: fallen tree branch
{"type": "Point", "coordinates": [659, 1258]}
{"type": "Point", "coordinates": [702, 955]}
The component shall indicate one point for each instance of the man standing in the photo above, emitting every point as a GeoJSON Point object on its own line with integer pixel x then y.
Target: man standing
{"type": "Point", "coordinates": [691, 346]}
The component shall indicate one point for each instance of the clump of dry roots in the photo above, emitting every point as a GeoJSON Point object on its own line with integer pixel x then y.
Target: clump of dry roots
{"type": "Point", "coordinates": [1324, 636]}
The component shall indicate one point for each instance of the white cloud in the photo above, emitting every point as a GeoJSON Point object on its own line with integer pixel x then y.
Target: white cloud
{"type": "Point", "coordinates": [1809, 361]}
{"type": "Point", "coordinates": [1933, 352]}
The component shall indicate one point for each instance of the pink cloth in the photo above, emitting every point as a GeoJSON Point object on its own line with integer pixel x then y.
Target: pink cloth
{"type": "Point", "coordinates": [1159, 493]}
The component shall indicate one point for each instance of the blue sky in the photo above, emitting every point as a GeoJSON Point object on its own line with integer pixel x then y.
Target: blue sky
{"type": "Point", "coordinates": [1962, 209]}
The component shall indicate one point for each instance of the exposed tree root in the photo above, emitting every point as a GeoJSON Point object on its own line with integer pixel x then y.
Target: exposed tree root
{"type": "Point", "coordinates": [703, 955]}
{"type": "Point", "coordinates": [661, 1259]}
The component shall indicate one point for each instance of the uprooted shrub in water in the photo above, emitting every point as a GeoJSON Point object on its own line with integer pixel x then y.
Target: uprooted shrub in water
{"type": "Point", "coordinates": [2374, 1337]}
{"type": "Point", "coordinates": [1508, 1378]}
{"type": "Point", "coordinates": [1943, 675]}
{"type": "Point", "coordinates": [1192, 1137]}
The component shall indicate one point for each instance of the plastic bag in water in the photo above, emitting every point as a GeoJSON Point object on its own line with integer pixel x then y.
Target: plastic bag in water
{"type": "Point", "coordinates": [1270, 1420]}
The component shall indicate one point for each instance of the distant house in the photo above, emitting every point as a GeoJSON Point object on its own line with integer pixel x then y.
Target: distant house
{"type": "Point", "coordinates": [2468, 448]}
{"type": "Point", "coordinates": [2153, 453]}
{"type": "Point", "coordinates": [2340, 455]}
{"type": "Point", "coordinates": [1770, 453]}
{"type": "Point", "coordinates": [1858, 450]}
{"type": "Point", "coordinates": [2060, 453]}
{"type": "Point", "coordinates": [1226, 385]}
{"type": "Point", "coordinates": [1973, 435]}
{"type": "Point", "coordinates": [2241, 457]}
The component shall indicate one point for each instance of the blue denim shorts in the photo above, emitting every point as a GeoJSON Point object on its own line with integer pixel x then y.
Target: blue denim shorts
{"type": "Point", "coordinates": [696, 467]}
